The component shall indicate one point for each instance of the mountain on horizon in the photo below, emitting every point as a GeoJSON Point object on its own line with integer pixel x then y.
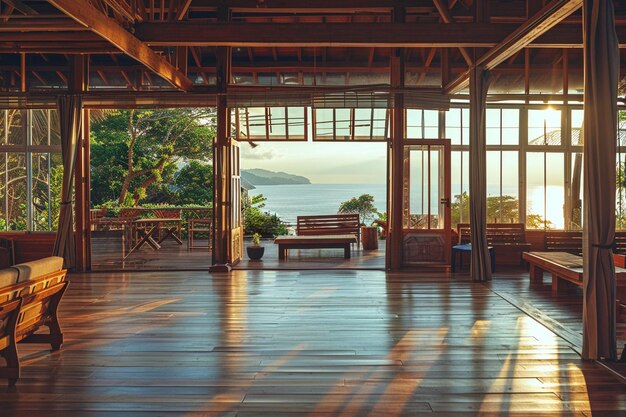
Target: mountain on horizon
{"type": "Point", "coordinates": [258, 176]}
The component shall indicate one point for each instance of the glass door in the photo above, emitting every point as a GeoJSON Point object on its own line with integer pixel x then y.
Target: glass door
{"type": "Point", "coordinates": [426, 203]}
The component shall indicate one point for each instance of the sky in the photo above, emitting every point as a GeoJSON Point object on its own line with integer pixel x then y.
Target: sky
{"type": "Point", "coordinates": [322, 163]}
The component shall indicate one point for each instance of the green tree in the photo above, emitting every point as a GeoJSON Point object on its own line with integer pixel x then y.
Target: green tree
{"type": "Point", "coordinates": [362, 205]}
{"type": "Point", "coordinates": [194, 183]}
{"type": "Point", "coordinates": [136, 153]}
{"type": "Point", "coordinates": [258, 221]}
{"type": "Point", "coordinates": [499, 209]}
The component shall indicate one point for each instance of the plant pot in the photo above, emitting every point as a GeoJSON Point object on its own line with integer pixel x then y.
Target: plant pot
{"type": "Point", "coordinates": [369, 237]}
{"type": "Point", "coordinates": [255, 253]}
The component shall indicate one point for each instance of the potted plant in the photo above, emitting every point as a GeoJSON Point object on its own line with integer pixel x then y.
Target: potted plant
{"type": "Point", "coordinates": [255, 251]}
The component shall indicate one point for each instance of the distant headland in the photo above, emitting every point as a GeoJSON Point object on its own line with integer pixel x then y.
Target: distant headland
{"type": "Point", "coordinates": [257, 176]}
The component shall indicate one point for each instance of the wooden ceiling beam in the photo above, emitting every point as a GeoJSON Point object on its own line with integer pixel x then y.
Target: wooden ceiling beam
{"type": "Point", "coordinates": [300, 6]}
{"type": "Point", "coordinates": [239, 34]}
{"type": "Point", "coordinates": [6, 14]}
{"type": "Point", "coordinates": [548, 17]}
{"type": "Point", "coordinates": [41, 25]}
{"type": "Point", "coordinates": [84, 39]}
{"type": "Point", "coordinates": [108, 29]}
{"type": "Point", "coordinates": [378, 35]}
{"type": "Point", "coordinates": [21, 6]}
{"type": "Point", "coordinates": [182, 9]}
{"type": "Point", "coordinates": [447, 18]}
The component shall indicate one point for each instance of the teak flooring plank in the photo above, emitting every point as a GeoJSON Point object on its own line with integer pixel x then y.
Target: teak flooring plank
{"type": "Point", "coordinates": [311, 344]}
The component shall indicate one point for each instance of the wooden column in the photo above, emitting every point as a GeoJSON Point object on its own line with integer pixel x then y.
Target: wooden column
{"type": "Point", "coordinates": [221, 206]}
{"type": "Point", "coordinates": [396, 158]}
{"type": "Point", "coordinates": [221, 162]}
{"type": "Point", "coordinates": [78, 83]}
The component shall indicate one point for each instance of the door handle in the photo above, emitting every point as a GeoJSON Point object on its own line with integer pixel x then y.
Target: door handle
{"type": "Point", "coordinates": [445, 201]}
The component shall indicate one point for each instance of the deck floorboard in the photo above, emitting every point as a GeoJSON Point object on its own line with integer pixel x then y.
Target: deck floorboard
{"type": "Point", "coordinates": [310, 343]}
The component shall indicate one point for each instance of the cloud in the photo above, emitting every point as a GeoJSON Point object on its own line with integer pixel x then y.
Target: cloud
{"type": "Point", "coordinates": [259, 153]}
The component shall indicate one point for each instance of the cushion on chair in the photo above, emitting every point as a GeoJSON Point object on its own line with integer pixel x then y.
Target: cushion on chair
{"type": "Point", "coordinates": [40, 267]}
{"type": "Point", "coordinates": [8, 277]}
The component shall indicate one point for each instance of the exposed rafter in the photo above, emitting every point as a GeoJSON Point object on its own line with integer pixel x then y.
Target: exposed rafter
{"type": "Point", "coordinates": [95, 20]}
{"type": "Point", "coordinates": [376, 35]}
{"type": "Point", "coordinates": [548, 17]}
{"type": "Point", "coordinates": [447, 18]}
{"type": "Point", "coordinates": [21, 6]}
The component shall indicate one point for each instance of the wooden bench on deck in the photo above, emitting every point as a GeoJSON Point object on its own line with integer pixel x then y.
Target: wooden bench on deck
{"type": "Point", "coordinates": [314, 242]}
{"type": "Point", "coordinates": [329, 224]}
{"type": "Point", "coordinates": [565, 266]}
{"type": "Point", "coordinates": [572, 241]}
{"type": "Point", "coordinates": [505, 238]}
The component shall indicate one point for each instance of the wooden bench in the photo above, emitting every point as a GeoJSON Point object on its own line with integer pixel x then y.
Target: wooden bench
{"type": "Point", "coordinates": [329, 224]}
{"type": "Point", "coordinates": [314, 242]}
{"type": "Point", "coordinates": [26, 246]}
{"type": "Point", "coordinates": [27, 305]}
{"type": "Point", "coordinates": [564, 241]}
{"type": "Point", "coordinates": [565, 266]}
{"type": "Point", "coordinates": [507, 239]}
{"type": "Point", "coordinates": [572, 241]}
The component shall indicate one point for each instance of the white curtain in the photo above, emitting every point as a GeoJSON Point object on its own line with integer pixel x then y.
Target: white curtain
{"type": "Point", "coordinates": [479, 85]}
{"type": "Point", "coordinates": [600, 133]}
{"type": "Point", "coordinates": [70, 110]}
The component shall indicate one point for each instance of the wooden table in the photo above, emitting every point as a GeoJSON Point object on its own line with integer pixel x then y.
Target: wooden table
{"type": "Point", "coordinates": [314, 242]}
{"type": "Point", "coordinates": [564, 266]}
{"type": "Point", "coordinates": [143, 231]}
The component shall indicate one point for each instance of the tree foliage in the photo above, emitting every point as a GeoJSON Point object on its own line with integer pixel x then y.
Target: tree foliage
{"type": "Point", "coordinates": [264, 223]}
{"type": "Point", "coordinates": [504, 209]}
{"type": "Point", "coordinates": [362, 205]}
{"type": "Point", "coordinates": [136, 153]}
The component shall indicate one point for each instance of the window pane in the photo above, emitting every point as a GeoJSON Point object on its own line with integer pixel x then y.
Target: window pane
{"type": "Point", "coordinates": [55, 128]}
{"type": "Point", "coordinates": [414, 124]}
{"type": "Point", "coordinates": [15, 120]}
{"type": "Point", "coordinates": [544, 127]}
{"type": "Point", "coordinates": [545, 190]}
{"type": "Point", "coordinates": [576, 192]}
{"type": "Point", "coordinates": [323, 124]}
{"type": "Point", "coordinates": [431, 124]}
{"type": "Point", "coordinates": [15, 168]}
{"type": "Point", "coordinates": [47, 180]}
{"type": "Point", "coordinates": [40, 124]}
{"type": "Point", "coordinates": [343, 123]}
{"type": "Point", "coordinates": [276, 122]}
{"type": "Point", "coordinates": [460, 187]}
{"type": "Point", "coordinates": [297, 126]}
{"type": "Point", "coordinates": [577, 123]}
{"type": "Point", "coordinates": [620, 197]}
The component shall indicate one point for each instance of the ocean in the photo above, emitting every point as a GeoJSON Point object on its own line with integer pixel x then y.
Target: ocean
{"type": "Point", "coordinates": [290, 201]}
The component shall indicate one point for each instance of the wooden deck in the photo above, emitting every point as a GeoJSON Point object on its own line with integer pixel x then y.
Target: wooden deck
{"type": "Point", "coordinates": [107, 256]}
{"type": "Point", "coordinates": [309, 343]}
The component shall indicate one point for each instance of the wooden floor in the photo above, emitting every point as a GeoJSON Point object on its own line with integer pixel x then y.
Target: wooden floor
{"type": "Point", "coordinates": [306, 343]}
{"type": "Point", "coordinates": [107, 256]}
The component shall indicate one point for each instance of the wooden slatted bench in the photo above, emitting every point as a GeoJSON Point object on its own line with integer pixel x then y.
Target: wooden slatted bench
{"type": "Point", "coordinates": [314, 242]}
{"type": "Point", "coordinates": [30, 294]}
{"type": "Point", "coordinates": [564, 241]}
{"type": "Point", "coordinates": [565, 266]}
{"type": "Point", "coordinates": [329, 224]}
{"type": "Point", "coordinates": [572, 241]}
{"type": "Point", "coordinates": [505, 238]}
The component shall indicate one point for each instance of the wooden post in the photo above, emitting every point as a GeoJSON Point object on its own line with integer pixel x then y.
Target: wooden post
{"type": "Point", "coordinates": [221, 162]}
{"type": "Point", "coordinates": [221, 206]}
{"type": "Point", "coordinates": [394, 204]}
{"type": "Point", "coordinates": [77, 83]}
